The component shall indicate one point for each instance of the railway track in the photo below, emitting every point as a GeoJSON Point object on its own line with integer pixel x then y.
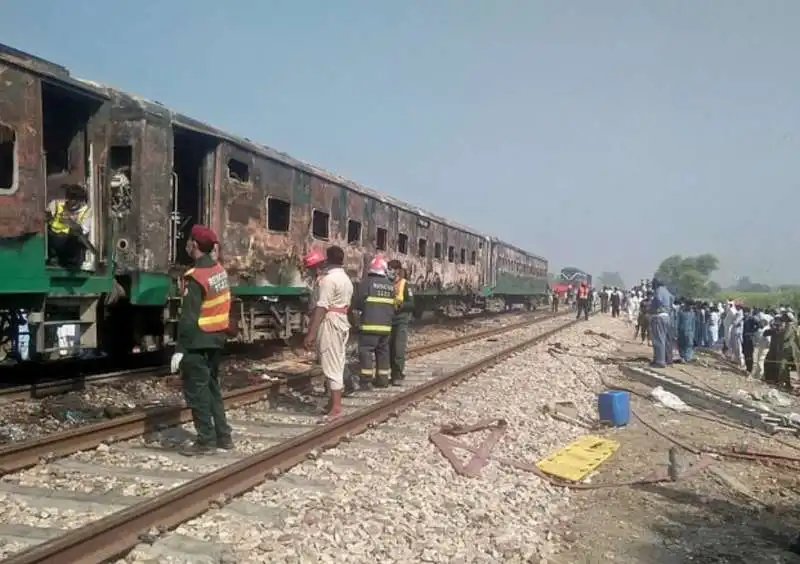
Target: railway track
{"type": "Point", "coordinates": [27, 453]}
{"type": "Point", "coordinates": [115, 481]}
{"type": "Point", "coordinates": [52, 385]}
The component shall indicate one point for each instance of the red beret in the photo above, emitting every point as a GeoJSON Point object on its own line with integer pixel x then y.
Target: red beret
{"type": "Point", "coordinates": [203, 234]}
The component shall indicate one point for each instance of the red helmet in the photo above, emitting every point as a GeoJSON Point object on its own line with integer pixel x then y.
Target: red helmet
{"type": "Point", "coordinates": [313, 258]}
{"type": "Point", "coordinates": [378, 265]}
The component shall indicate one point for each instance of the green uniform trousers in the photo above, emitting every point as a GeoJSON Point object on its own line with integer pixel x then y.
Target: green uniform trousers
{"type": "Point", "coordinates": [201, 390]}
{"type": "Point", "coordinates": [397, 348]}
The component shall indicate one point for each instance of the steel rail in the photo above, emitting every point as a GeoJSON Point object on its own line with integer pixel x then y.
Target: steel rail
{"type": "Point", "coordinates": [52, 387]}
{"type": "Point", "coordinates": [22, 455]}
{"type": "Point", "coordinates": [113, 536]}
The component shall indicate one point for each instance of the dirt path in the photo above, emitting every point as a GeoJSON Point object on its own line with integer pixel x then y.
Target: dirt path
{"type": "Point", "coordinates": [735, 512]}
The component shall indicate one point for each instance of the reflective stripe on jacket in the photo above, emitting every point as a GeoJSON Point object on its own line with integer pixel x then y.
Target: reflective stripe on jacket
{"type": "Point", "coordinates": [57, 224]}
{"type": "Point", "coordinates": [378, 307]}
{"type": "Point", "coordinates": [215, 309]}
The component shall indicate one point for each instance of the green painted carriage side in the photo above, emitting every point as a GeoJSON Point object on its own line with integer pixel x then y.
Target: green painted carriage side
{"type": "Point", "coordinates": [22, 263]}
{"type": "Point", "coordinates": [516, 285]}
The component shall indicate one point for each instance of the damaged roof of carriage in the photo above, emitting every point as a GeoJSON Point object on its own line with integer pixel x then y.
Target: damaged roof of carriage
{"type": "Point", "coordinates": [55, 73]}
{"type": "Point", "coordinates": [495, 240]}
{"type": "Point", "coordinates": [186, 122]}
{"type": "Point", "coordinates": [60, 73]}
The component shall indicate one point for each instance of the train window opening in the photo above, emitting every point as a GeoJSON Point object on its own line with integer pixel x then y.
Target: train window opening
{"type": "Point", "coordinates": [8, 160]}
{"type": "Point", "coordinates": [120, 161]}
{"type": "Point", "coordinates": [473, 258]}
{"type": "Point", "coordinates": [321, 225]}
{"type": "Point", "coordinates": [279, 215]}
{"type": "Point", "coordinates": [353, 232]}
{"type": "Point", "coordinates": [381, 239]}
{"type": "Point", "coordinates": [437, 250]}
{"type": "Point", "coordinates": [451, 254]}
{"type": "Point", "coordinates": [65, 117]}
{"type": "Point", "coordinates": [402, 244]}
{"type": "Point", "coordinates": [463, 257]}
{"type": "Point", "coordinates": [190, 152]}
{"type": "Point", "coordinates": [238, 170]}
{"type": "Point", "coordinates": [422, 248]}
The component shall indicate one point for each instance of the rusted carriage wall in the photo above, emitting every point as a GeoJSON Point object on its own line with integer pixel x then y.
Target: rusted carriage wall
{"type": "Point", "coordinates": [438, 272]}
{"type": "Point", "coordinates": [515, 261]}
{"type": "Point", "coordinates": [254, 254]}
{"type": "Point", "coordinates": [145, 227]}
{"type": "Point", "coordinates": [22, 211]}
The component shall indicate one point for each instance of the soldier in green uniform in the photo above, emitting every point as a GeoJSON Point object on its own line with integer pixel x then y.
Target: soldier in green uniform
{"type": "Point", "coordinates": [404, 307]}
{"type": "Point", "coordinates": [202, 332]}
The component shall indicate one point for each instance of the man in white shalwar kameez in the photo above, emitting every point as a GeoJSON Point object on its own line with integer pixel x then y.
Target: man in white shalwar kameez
{"type": "Point", "coordinates": [633, 308]}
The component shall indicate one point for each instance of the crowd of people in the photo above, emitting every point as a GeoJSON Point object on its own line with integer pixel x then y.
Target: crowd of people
{"type": "Point", "coordinates": [763, 343]}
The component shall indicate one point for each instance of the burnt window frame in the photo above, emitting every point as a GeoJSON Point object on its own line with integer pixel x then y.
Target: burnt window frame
{"type": "Point", "coordinates": [451, 254]}
{"type": "Point", "coordinates": [291, 214]}
{"type": "Point", "coordinates": [473, 258]}
{"type": "Point", "coordinates": [311, 225]}
{"type": "Point", "coordinates": [385, 231]}
{"type": "Point", "coordinates": [422, 247]}
{"type": "Point", "coordinates": [14, 188]}
{"type": "Point", "coordinates": [399, 238]}
{"type": "Point", "coordinates": [437, 250]}
{"type": "Point", "coordinates": [462, 256]}
{"type": "Point", "coordinates": [360, 232]}
{"type": "Point", "coordinates": [240, 161]}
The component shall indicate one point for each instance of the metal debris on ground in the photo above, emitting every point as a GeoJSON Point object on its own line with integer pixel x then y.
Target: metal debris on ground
{"type": "Point", "coordinates": [480, 456]}
{"type": "Point", "coordinates": [444, 441]}
{"type": "Point", "coordinates": [567, 412]}
{"type": "Point", "coordinates": [597, 334]}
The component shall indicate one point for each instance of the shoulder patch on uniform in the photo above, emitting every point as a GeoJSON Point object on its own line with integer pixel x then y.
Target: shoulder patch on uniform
{"type": "Point", "coordinates": [185, 290]}
{"type": "Point", "coordinates": [410, 292]}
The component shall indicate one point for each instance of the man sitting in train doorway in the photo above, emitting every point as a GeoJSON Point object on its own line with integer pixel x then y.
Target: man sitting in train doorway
{"type": "Point", "coordinates": [68, 227]}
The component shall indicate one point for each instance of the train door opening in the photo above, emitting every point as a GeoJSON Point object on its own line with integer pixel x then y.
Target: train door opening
{"type": "Point", "coordinates": [191, 182]}
{"type": "Point", "coordinates": [69, 162]}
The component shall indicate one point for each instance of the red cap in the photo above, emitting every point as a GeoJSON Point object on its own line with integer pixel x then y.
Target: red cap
{"type": "Point", "coordinates": [203, 234]}
{"type": "Point", "coordinates": [378, 265]}
{"type": "Point", "coordinates": [313, 258]}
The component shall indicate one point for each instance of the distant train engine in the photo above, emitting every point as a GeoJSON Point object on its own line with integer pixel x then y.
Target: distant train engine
{"type": "Point", "coordinates": [569, 279]}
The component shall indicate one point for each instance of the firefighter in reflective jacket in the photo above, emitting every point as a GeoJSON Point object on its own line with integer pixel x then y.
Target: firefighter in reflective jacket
{"type": "Point", "coordinates": [202, 332]}
{"type": "Point", "coordinates": [375, 299]}
{"type": "Point", "coordinates": [583, 301]}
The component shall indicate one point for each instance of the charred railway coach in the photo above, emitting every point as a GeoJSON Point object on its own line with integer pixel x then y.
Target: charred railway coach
{"type": "Point", "coordinates": [151, 174]}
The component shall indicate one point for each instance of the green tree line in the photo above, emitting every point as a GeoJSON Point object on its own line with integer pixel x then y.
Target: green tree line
{"type": "Point", "coordinates": [690, 277]}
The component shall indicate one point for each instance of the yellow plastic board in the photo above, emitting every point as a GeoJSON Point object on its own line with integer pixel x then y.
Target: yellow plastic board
{"type": "Point", "coordinates": [579, 459]}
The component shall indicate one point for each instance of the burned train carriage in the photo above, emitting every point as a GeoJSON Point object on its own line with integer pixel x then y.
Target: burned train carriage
{"type": "Point", "coordinates": [150, 175]}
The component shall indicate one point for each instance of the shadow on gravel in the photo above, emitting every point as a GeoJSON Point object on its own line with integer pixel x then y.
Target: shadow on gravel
{"type": "Point", "coordinates": [704, 529]}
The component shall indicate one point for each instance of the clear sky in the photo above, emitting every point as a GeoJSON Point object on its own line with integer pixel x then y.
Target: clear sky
{"type": "Point", "coordinates": [601, 134]}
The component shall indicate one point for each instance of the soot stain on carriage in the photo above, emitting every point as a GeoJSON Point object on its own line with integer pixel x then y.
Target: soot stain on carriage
{"type": "Point", "coordinates": [244, 211]}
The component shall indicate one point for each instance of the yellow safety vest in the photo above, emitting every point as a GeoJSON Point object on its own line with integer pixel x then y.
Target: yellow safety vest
{"type": "Point", "coordinates": [57, 224]}
{"type": "Point", "coordinates": [399, 292]}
